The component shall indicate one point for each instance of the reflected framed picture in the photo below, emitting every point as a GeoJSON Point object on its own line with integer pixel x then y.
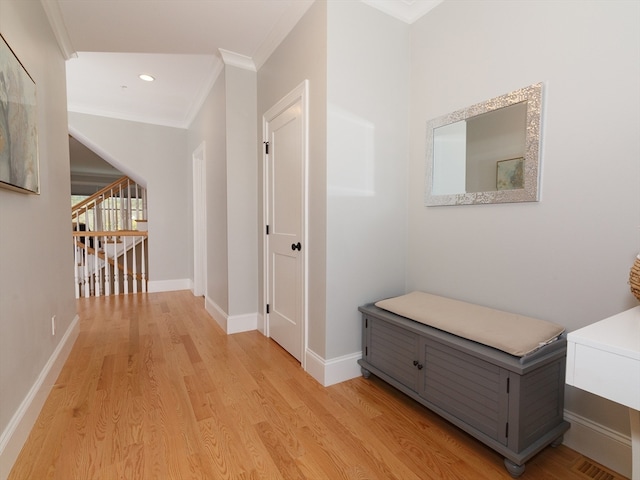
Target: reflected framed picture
{"type": "Point", "coordinates": [19, 167]}
{"type": "Point", "coordinates": [510, 174]}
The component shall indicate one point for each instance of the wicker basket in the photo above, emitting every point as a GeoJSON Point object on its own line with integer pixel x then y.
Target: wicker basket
{"type": "Point", "coordinates": [634, 278]}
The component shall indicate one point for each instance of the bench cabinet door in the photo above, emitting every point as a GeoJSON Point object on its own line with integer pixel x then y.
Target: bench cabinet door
{"type": "Point", "coordinates": [393, 350]}
{"type": "Point", "coordinates": [469, 389]}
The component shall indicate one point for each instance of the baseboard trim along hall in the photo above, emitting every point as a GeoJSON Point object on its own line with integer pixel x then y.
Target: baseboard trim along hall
{"type": "Point", "coordinates": [602, 444]}
{"type": "Point", "coordinates": [336, 370]}
{"type": "Point", "coordinates": [169, 285]}
{"type": "Point", "coordinates": [15, 435]}
{"type": "Point", "coordinates": [231, 323]}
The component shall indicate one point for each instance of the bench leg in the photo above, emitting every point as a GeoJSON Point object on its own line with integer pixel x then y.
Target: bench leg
{"type": "Point", "coordinates": [557, 442]}
{"type": "Point", "coordinates": [514, 470]}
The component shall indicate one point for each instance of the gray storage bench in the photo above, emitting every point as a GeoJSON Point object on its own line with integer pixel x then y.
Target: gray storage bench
{"type": "Point", "coordinates": [496, 375]}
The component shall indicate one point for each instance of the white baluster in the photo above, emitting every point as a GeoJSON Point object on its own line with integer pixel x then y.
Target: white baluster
{"type": "Point", "coordinates": [116, 209]}
{"type": "Point", "coordinates": [94, 223]}
{"type": "Point", "coordinates": [114, 212]}
{"type": "Point", "coordinates": [129, 211]}
{"type": "Point", "coordinates": [75, 267]}
{"type": "Point", "coordinates": [144, 204]}
{"type": "Point", "coordinates": [98, 215]}
{"type": "Point", "coordinates": [143, 267]}
{"type": "Point", "coordinates": [107, 268]}
{"type": "Point", "coordinates": [107, 211]}
{"type": "Point", "coordinates": [96, 268]}
{"type": "Point", "coordinates": [125, 269]}
{"type": "Point", "coordinates": [85, 264]}
{"type": "Point", "coordinates": [135, 266]}
{"type": "Point", "coordinates": [123, 208]}
{"type": "Point", "coordinates": [116, 273]}
{"type": "Point", "coordinates": [104, 219]}
{"type": "Point", "coordinates": [137, 209]}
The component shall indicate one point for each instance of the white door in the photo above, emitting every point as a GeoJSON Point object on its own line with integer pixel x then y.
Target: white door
{"type": "Point", "coordinates": [285, 129]}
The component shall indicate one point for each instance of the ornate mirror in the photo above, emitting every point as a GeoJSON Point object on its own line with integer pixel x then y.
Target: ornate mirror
{"type": "Point", "coordinates": [486, 153]}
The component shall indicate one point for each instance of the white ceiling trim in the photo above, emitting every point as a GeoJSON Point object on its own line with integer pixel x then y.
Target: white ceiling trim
{"type": "Point", "coordinates": [237, 60]}
{"type": "Point", "coordinates": [195, 107]}
{"type": "Point", "coordinates": [52, 10]}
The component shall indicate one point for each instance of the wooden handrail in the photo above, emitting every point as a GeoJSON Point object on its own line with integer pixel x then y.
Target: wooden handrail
{"type": "Point", "coordinates": [99, 195]}
{"type": "Point", "coordinates": [114, 233]}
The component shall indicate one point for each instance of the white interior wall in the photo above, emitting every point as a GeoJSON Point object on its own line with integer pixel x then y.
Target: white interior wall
{"type": "Point", "coordinates": [567, 257]}
{"type": "Point", "coordinates": [575, 246]}
{"type": "Point", "coordinates": [367, 154]}
{"type": "Point", "coordinates": [210, 126]}
{"type": "Point", "coordinates": [32, 292]}
{"type": "Point", "coordinates": [159, 155]}
{"type": "Point", "coordinates": [302, 55]}
{"type": "Point", "coordinates": [242, 183]}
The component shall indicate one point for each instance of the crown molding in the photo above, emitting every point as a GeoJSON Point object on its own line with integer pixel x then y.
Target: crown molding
{"type": "Point", "coordinates": [52, 10]}
{"type": "Point", "coordinates": [237, 60]}
{"type": "Point", "coordinates": [204, 93]}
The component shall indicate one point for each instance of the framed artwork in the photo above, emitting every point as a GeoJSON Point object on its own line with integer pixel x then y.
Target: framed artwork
{"type": "Point", "coordinates": [19, 168]}
{"type": "Point", "coordinates": [510, 174]}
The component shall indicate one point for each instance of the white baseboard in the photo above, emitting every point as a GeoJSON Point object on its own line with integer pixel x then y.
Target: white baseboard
{"type": "Point", "coordinates": [219, 315]}
{"type": "Point", "coordinates": [15, 434]}
{"type": "Point", "coordinates": [607, 447]}
{"type": "Point", "coordinates": [326, 372]}
{"type": "Point", "coordinates": [335, 370]}
{"type": "Point", "coordinates": [169, 285]}
{"type": "Point", "coordinates": [242, 323]}
{"type": "Point", "coordinates": [231, 323]}
{"type": "Point", "coordinates": [261, 327]}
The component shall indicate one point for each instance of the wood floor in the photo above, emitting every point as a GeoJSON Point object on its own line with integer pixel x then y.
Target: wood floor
{"type": "Point", "coordinates": [153, 389]}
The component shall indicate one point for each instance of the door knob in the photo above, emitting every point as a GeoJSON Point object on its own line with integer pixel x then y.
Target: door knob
{"type": "Point", "coordinates": [296, 246]}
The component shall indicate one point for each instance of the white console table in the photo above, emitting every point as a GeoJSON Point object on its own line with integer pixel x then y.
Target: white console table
{"type": "Point", "coordinates": [604, 359]}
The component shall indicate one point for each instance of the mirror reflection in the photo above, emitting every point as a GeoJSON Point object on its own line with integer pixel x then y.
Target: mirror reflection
{"type": "Point", "coordinates": [487, 153]}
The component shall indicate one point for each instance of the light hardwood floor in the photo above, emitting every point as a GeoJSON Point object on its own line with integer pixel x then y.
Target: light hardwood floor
{"type": "Point", "coordinates": [153, 389]}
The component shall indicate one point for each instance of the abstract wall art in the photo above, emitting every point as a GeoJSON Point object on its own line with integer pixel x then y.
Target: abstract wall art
{"type": "Point", "coordinates": [19, 168]}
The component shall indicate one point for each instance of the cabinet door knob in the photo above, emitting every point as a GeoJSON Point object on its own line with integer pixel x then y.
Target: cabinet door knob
{"type": "Point", "coordinates": [419, 366]}
{"type": "Point", "coordinates": [415, 363]}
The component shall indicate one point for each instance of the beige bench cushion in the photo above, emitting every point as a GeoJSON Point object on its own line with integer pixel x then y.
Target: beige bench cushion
{"type": "Point", "coordinates": [509, 332]}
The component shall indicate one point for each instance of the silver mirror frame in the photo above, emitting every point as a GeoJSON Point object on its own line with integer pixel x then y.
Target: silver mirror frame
{"type": "Point", "coordinates": [531, 191]}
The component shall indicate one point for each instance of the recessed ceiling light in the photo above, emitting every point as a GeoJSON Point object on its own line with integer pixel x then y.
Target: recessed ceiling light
{"type": "Point", "coordinates": [145, 77]}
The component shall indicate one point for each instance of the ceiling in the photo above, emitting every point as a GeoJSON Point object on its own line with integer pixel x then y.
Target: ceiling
{"type": "Point", "coordinates": [182, 43]}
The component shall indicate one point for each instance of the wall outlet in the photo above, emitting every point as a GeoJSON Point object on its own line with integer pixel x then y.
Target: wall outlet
{"type": "Point", "coordinates": [53, 325]}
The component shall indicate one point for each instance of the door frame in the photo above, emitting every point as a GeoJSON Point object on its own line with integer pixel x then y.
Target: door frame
{"type": "Point", "coordinates": [298, 94]}
{"type": "Point", "coordinates": [199, 221]}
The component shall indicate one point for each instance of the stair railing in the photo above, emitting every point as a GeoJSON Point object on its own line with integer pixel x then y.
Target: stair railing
{"type": "Point", "coordinates": [110, 241]}
{"type": "Point", "coordinates": [110, 264]}
{"type": "Point", "coordinates": [121, 205]}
